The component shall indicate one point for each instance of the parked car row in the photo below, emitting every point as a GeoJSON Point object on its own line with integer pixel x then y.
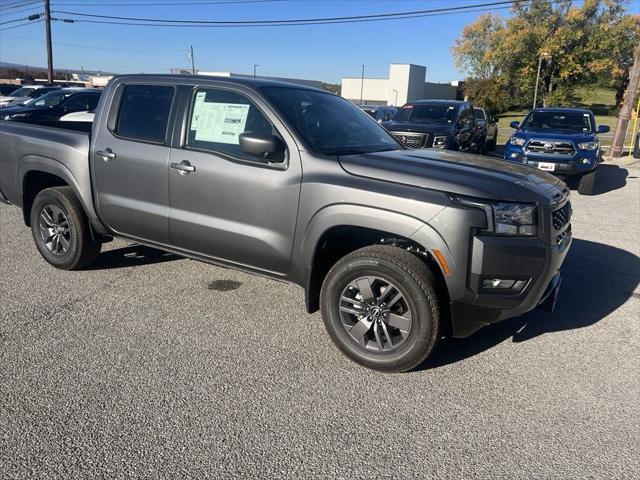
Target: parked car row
{"type": "Point", "coordinates": [22, 95]}
{"type": "Point", "coordinates": [562, 141]}
{"type": "Point", "coordinates": [53, 105]}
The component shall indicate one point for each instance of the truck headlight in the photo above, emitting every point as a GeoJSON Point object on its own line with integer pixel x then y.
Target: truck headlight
{"type": "Point", "coordinates": [589, 146]}
{"type": "Point", "coordinates": [516, 141]}
{"type": "Point", "coordinates": [507, 218]}
{"type": "Point", "coordinates": [440, 142]}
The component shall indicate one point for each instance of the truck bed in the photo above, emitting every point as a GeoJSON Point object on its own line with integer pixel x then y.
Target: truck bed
{"type": "Point", "coordinates": [63, 152]}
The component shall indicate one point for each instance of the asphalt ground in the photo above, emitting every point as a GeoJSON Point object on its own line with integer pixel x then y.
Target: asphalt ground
{"type": "Point", "coordinates": [154, 366]}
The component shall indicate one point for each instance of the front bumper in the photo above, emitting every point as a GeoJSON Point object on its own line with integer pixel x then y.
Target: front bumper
{"type": "Point", "coordinates": [531, 260]}
{"type": "Point", "coordinates": [581, 162]}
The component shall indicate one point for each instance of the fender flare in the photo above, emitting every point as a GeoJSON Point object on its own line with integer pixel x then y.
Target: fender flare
{"type": "Point", "coordinates": [38, 163]}
{"type": "Point", "coordinates": [353, 215]}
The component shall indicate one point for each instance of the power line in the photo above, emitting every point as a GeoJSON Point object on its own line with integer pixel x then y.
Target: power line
{"type": "Point", "coordinates": [303, 21]}
{"type": "Point", "coordinates": [4, 8]}
{"type": "Point", "coordinates": [162, 4]}
{"type": "Point", "coordinates": [22, 25]}
{"type": "Point", "coordinates": [106, 22]}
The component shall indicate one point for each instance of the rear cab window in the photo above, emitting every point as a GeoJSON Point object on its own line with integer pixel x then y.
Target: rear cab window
{"type": "Point", "coordinates": [144, 112]}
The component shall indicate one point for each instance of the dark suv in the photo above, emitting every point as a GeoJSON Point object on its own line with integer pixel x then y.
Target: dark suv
{"type": "Point", "coordinates": [447, 124]}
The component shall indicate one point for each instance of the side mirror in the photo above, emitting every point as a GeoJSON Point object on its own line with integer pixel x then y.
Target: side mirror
{"type": "Point", "coordinates": [603, 129]}
{"type": "Point", "coordinates": [258, 144]}
{"type": "Point", "coordinates": [515, 125]}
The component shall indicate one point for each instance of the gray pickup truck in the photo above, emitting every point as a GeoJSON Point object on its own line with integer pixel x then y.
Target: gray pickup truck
{"type": "Point", "coordinates": [396, 247]}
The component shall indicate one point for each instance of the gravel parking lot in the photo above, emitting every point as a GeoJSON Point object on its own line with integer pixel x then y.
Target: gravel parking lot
{"type": "Point", "coordinates": [153, 366]}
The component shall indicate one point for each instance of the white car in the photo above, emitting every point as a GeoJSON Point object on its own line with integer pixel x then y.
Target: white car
{"type": "Point", "coordinates": [26, 94]}
{"type": "Point", "coordinates": [78, 117]}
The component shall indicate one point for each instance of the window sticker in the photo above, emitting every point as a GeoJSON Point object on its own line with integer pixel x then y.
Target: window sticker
{"type": "Point", "coordinates": [218, 122]}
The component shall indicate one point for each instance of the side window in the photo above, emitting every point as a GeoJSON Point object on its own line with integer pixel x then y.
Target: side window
{"type": "Point", "coordinates": [218, 117]}
{"type": "Point", "coordinates": [93, 102]}
{"type": "Point", "coordinates": [144, 112]}
{"type": "Point", "coordinates": [77, 103]}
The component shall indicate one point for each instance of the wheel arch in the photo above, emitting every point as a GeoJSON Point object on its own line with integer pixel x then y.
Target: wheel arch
{"type": "Point", "coordinates": [35, 173]}
{"type": "Point", "coordinates": [341, 229]}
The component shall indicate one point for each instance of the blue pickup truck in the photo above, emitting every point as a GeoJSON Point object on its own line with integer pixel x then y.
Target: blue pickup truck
{"type": "Point", "coordinates": [562, 141]}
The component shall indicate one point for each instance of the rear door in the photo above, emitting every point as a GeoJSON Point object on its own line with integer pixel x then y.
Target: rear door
{"type": "Point", "coordinates": [130, 156]}
{"type": "Point", "coordinates": [229, 205]}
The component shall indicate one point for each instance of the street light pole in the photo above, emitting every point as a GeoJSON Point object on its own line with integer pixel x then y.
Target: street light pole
{"type": "Point", "coordinates": [47, 23]}
{"type": "Point", "coordinates": [254, 70]}
{"type": "Point", "coordinates": [362, 85]}
{"type": "Point", "coordinates": [193, 62]}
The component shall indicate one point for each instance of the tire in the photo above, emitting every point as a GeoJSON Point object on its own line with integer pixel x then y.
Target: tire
{"type": "Point", "coordinates": [493, 143]}
{"type": "Point", "coordinates": [58, 210]}
{"type": "Point", "coordinates": [404, 344]}
{"type": "Point", "coordinates": [587, 183]}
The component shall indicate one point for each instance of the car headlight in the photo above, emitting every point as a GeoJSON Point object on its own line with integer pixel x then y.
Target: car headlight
{"type": "Point", "coordinates": [507, 218]}
{"type": "Point", "coordinates": [589, 146]}
{"type": "Point", "coordinates": [440, 142]}
{"type": "Point", "coordinates": [516, 141]}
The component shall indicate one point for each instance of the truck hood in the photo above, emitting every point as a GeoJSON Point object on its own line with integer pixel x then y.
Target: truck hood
{"type": "Point", "coordinates": [460, 173]}
{"type": "Point", "coordinates": [551, 134]}
{"type": "Point", "coordinates": [434, 128]}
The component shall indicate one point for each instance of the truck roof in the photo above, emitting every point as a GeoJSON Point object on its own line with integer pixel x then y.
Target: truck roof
{"type": "Point", "coordinates": [562, 109]}
{"type": "Point", "coordinates": [246, 81]}
{"type": "Point", "coordinates": [436, 100]}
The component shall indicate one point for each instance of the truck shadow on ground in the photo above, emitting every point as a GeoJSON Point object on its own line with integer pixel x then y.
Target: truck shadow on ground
{"type": "Point", "coordinates": [596, 280]}
{"type": "Point", "coordinates": [132, 256]}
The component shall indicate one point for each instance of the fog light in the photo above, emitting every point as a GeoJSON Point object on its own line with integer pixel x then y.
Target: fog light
{"type": "Point", "coordinates": [502, 284]}
{"type": "Point", "coordinates": [514, 155]}
{"type": "Point", "coordinates": [586, 160]}
{"type": "Point", "coordinates": [497, 283]}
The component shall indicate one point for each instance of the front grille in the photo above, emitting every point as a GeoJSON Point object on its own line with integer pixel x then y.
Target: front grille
{"type": "Point", "coordinates": [560, 238]}
{"type": "Point", "coordinates": [411, 140]}
{"type": "Point", "coordinates": [550, 147]}
{"type": "Point", "coordinates": [561, 217]}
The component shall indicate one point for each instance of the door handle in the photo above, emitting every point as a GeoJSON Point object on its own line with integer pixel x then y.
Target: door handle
{"type": "Point", "coordinates": [184, 167]}
{"type": "Point", "coordinates": [106, 154]}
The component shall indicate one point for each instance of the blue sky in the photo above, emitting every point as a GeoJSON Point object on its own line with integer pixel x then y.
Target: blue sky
{"type": "Point", "coordinates": [322, 52]}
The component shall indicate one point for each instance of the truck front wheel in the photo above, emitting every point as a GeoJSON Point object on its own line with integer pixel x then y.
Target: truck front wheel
{"type": "Point", "coordinates": [61, 229]}
{"type": "Point", "coordinates": [380, 308]}
{"type": "Point", "coordinates": [587, 183]}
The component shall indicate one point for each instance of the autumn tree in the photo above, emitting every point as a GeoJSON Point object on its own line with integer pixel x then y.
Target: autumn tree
{"type": "Point", "coordinates": [577, 45]}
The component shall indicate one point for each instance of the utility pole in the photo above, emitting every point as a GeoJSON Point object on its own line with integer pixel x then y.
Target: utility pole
{"type": "Point", "coordinates": [47, 22]}
{"type": "Point", "coordinates": [254, 70]}
{"type": "Point", "coordinates": [193, 62]}
{"type": "Point", "coordinates": [361, 85]}
{"type": "Point", "coordinates": [535, 94]}
{"type": "Point", "coordinates": [624, 116]}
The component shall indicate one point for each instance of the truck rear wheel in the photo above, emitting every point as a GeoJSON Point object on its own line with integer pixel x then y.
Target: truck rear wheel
{"type": "Point", "coordinates": [380, 308]}
{"type": "Point", "coordinates": [61, 229]}
{"type": "Point", "coordinates": [587, 183]}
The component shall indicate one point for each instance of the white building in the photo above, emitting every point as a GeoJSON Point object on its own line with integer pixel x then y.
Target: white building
{"type": "Point", "coordinates": [406, 82]}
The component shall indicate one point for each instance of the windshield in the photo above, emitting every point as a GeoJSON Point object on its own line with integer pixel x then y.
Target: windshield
{"type": "Point", "coordinates": [478, 113]}
{"type": "Point", "coordinates": [22, 92]}
{"type": "Point", "coordinates": [427, 113]}
{"type": "Point", "coordinates": [51, 99]}
{"type": "Point", "coordinates": [569, 121]}
{"type": "Point", "coordinates": [330, 125]}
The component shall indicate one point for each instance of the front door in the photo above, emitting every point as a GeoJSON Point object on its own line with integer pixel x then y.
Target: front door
{"type": "Point", "coordinates": [130, 163]}
{"type": "Point", "coordinates": [225, 204]}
